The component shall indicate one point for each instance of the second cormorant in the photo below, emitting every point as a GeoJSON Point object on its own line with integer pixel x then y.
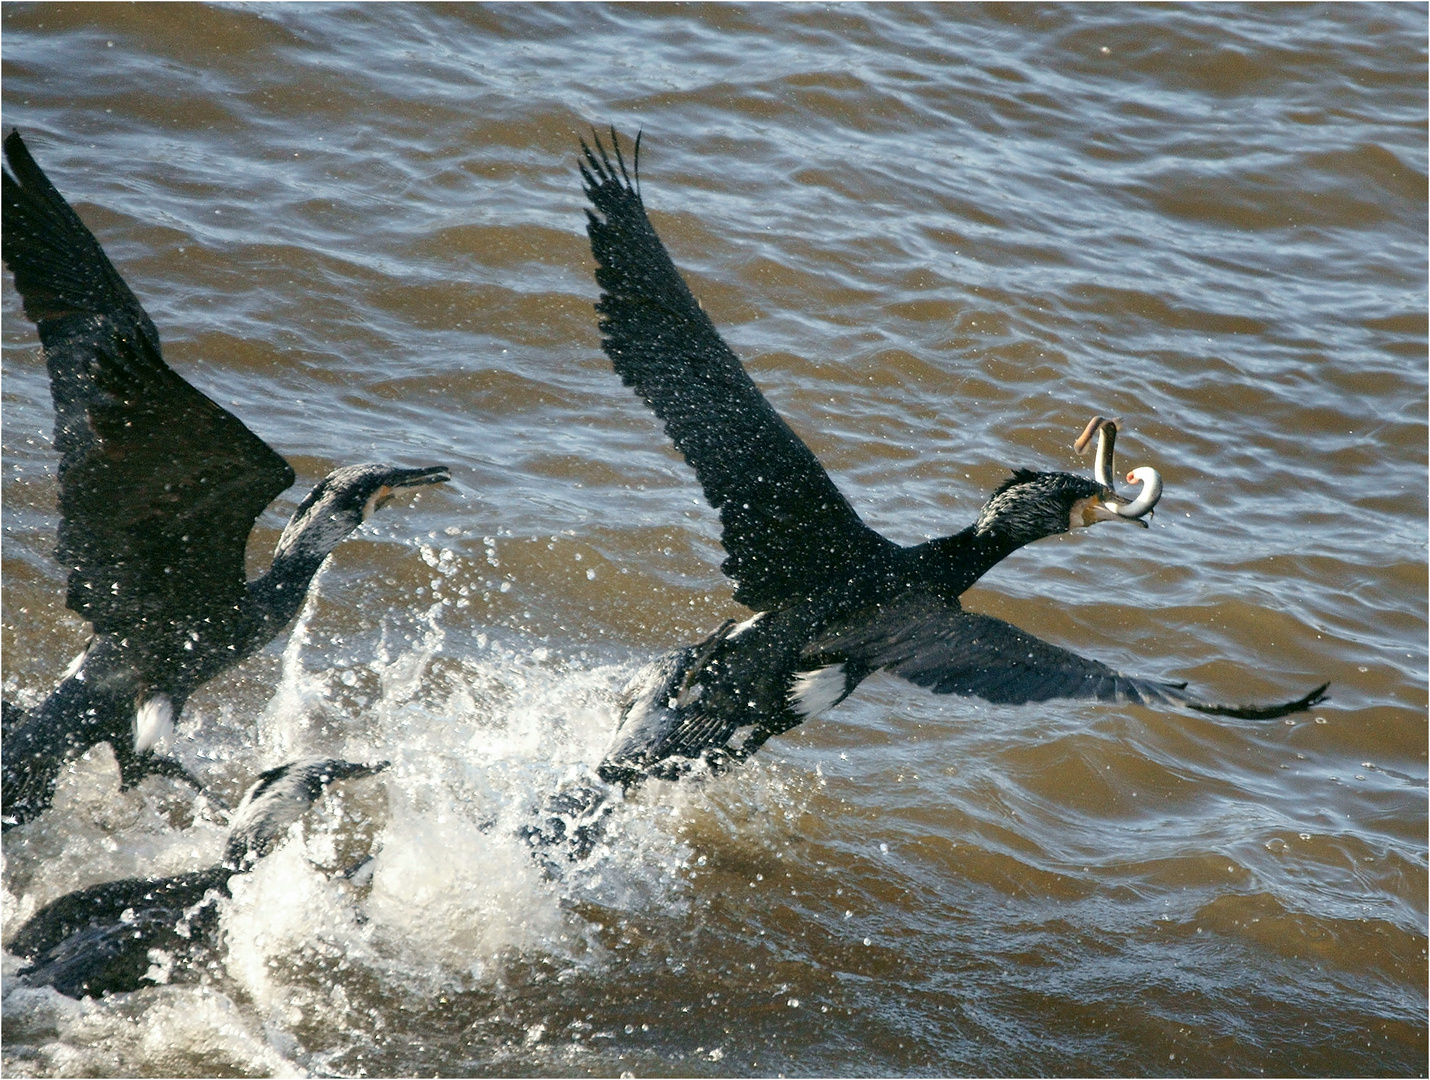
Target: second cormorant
{"type": "Point", "coordinates": [123, 935]}
{"type": "Point", "coordinates": [159, 489]}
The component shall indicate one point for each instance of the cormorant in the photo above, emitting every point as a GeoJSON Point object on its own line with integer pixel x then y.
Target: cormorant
{"type": "Point", "coordinates": [105, 938]}
{"type": "Point", "coordinates": [159, 488]}
{"type": "Point", "coordinates": [834, 601]}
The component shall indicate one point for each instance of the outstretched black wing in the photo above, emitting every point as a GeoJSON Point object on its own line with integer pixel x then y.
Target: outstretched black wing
{"type": "Point", "coordinates": [787, 529]}
{"type": "Point", "coordinates": [159, 486]}
{"type": "Point", "coordinates": [937, 645]}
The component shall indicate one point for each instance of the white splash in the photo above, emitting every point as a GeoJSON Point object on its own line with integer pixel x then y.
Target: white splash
{"type": "Point", "coordinates": [480, 732]}
{"type": "Point", "coordinates": [282, 727]}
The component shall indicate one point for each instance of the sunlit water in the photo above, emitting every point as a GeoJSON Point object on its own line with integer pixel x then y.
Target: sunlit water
{"type": "Point", "coordinates": [941, 237]}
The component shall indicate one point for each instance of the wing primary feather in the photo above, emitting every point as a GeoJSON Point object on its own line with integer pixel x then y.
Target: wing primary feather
{"type": "Point", "coordinates": [787, 530]}
{"type": "Point", "coordinates": [1262, 712]}
{"type": "Point", "coordinates": [935, 644]}
{"type": "Point", "coordinates": [159, 485]}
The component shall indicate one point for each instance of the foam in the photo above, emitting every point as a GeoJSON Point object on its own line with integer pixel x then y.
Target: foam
{"type": "Point", "coordinates": [480, 731]}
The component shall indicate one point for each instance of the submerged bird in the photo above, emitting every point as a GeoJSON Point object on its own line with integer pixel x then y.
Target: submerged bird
{"type": "Point", "coordinates": [834, 601]}
{"type": "Point", "coordinates": [122, 935]}
{"type": "Point", "coordinates": [159, 488]}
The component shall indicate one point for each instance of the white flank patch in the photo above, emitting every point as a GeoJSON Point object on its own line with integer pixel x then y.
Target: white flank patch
{"type": "Point", "coordinates": [154, 721]}
{"type": "Point", "coordinates": [740, 628]}
{"type": "Point", "coordinates": [814, 691]}
{"type": "Point", "coordinates": [75, 665]}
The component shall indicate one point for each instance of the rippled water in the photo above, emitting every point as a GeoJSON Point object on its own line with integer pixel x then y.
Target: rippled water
{"type": "Point", "coordinates": [941, 237]}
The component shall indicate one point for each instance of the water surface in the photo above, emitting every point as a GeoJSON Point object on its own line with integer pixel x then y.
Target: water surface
{"type": "Point", "coordinates": [940, 238]}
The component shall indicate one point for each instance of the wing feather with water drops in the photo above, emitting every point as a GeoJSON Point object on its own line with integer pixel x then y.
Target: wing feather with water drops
{"type": "Point", "coordinates": [653, 730]}
{"type": "Point", "coordinates": [159, 486]}
{"type": "Point", "coordinates": [787, 530]}
{"type": "Point", "coordinates": [937, 645]}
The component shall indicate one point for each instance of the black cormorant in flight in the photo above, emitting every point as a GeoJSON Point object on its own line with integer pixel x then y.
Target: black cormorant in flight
{"type": "Point", "coordinates": [98, 940]}
{"type": "Point", "coordinates": [159, 488]}
{"type": "Point", "coordinates": [834, 601]}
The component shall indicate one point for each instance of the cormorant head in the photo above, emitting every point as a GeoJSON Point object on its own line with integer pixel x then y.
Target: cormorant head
{"type": "Point", "coordinates": [278, 798]}
{"type": "Point", "coordinates": [1031, 505]}
{"type": "Point", "coordinates": [346, 498]}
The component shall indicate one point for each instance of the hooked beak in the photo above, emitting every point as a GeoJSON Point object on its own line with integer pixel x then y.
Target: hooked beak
{"type": "Point", "coordinates": [1117, 508]}
{"type": "Point", "coordinates": [347, 770]}
{"type": "Point", "coordinates": [399, 479]}
{"type": "Point", "coordinates": [1142, 506]}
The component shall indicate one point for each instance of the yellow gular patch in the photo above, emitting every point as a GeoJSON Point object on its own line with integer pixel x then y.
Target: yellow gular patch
{"type": "Point", "coordinates": [1090, 511]}
{"type": "Point", "coordinates": [376, 501]}
{"type": "Point", "coordinates": [1086, 512]}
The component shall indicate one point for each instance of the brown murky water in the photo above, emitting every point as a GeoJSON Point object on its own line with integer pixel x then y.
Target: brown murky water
{"type": "Point", "coordinates": [941, 237]}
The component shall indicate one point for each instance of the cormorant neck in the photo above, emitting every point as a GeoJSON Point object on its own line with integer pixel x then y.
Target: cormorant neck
{"type": "Point", "coordinates": [315, 529]}
{"type": "Point", "coordinates": [278, 595]}
{"type": "Point", "coordinates": [952, 563]}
